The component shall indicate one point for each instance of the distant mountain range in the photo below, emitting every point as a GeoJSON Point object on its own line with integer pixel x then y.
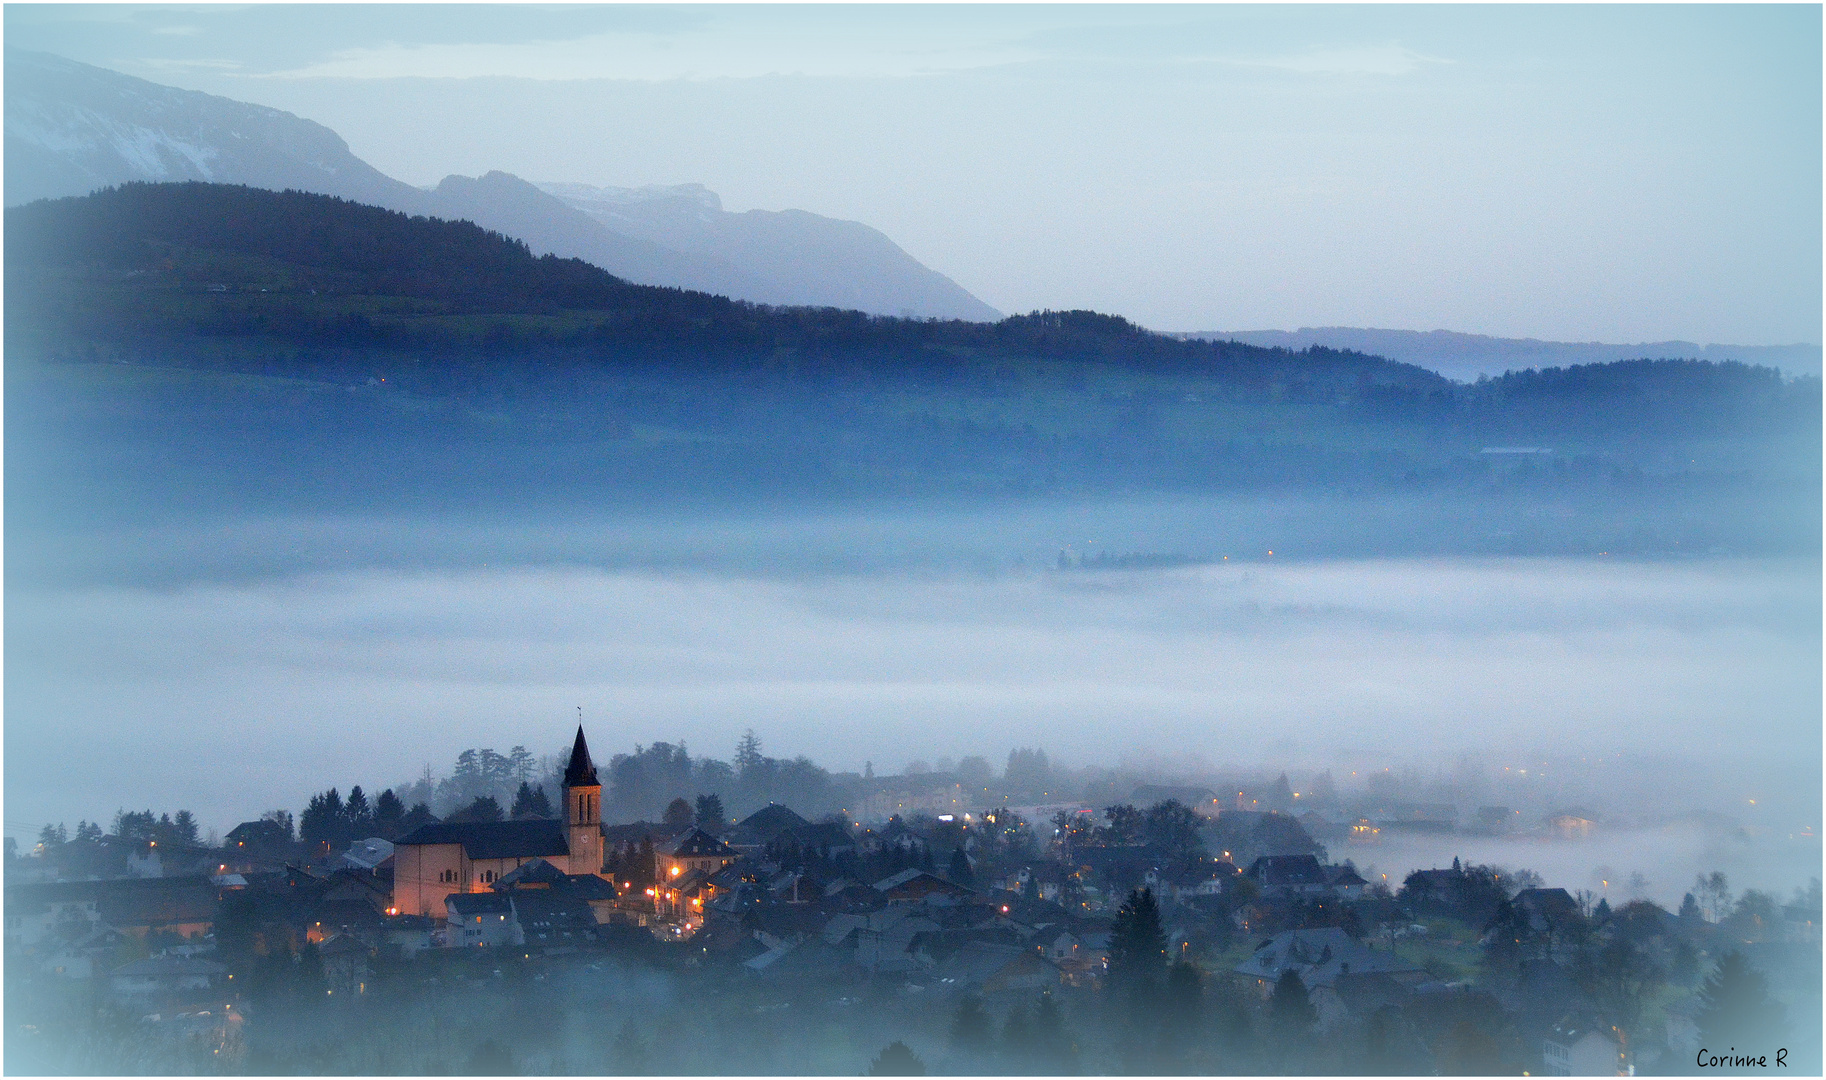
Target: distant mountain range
{"type": "Point", "coordinates": [72, 129]}
{"type": "Point", "coordinates": [1467, 356]}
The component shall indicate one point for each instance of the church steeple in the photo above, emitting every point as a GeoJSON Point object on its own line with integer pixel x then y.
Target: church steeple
{"type": "Point", "coordinates": [581, 772]}
{"type": "Point", "coordinates": [583, 809]}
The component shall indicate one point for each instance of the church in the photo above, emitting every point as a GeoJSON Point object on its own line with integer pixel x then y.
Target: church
{"type": "Point", "coordinates": [436, 860]}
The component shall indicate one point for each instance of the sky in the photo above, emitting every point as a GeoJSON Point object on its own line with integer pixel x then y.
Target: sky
{"type": "Point", "coordinates": [1619, 173]}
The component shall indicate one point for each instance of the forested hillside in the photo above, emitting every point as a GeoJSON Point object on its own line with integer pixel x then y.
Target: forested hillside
{"type": "Point", "coordinates": [235, 347]}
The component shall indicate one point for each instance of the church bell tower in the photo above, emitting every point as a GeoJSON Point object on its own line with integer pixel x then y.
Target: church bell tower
{"type": "Point", "coordinates": [583, 809]}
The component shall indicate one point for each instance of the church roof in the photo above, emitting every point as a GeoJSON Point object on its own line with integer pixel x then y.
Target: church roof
{"type": "Point", "coordinates": [581, 772]}
{"type": "Point", "coordinates": [494, 839]}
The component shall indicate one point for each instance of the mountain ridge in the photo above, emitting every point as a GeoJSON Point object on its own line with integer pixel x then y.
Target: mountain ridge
{"type": "Point", "coordinates": [1466, 357]}
{"type": "Point", "coordinates": [72, 128]}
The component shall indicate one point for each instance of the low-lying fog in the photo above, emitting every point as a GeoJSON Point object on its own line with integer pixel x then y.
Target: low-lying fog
{"type": "Point", "coordinates": [1639, 688]}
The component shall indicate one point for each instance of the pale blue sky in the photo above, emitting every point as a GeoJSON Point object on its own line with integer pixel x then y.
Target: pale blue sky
{"type": "Point", "coordinates": [1586, 173]}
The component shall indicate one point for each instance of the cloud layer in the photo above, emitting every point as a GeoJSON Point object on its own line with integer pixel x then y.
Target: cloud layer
{"type": "Point", "coordinates": [227, 697]}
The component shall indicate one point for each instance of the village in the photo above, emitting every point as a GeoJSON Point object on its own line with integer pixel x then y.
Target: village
{"type": "Point", "coordinates": [1177, 931]}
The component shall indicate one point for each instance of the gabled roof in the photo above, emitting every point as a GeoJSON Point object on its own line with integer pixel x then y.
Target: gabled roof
{"type": "Point", "coordinates": [581, 772]}
{"type": "Point", "coordinates": [1320, 956]}
{"type": "Point", "coordinates": [468, 905]}
{"type": "Point", "coordinates": [1287, 870]}
{"type": "Point", "coordinates": [770, 821]}
{"type": "Point", "coordinates": [541, 837]}
{"type": "Point", "coordinates": [699, 844]}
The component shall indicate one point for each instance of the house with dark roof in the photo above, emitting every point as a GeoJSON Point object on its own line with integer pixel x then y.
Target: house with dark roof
{"type": "Point", "coordinates": [1321, 957]}
{"type": "Point", "coordinates": [910, 886]}
{"type": "Point", "coordinates": [436, 860]}
{"type": "Point", "coordinates": [1289, 875]}
{"type": "Point", "coordinates": [766, 823]}
{"type": "Point", "coordinates": [696, 850]}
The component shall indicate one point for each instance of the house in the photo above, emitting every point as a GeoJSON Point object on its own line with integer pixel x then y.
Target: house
{"type": "Point", "coordinates": [345, 963]}
{"type": "Point", "coordinates": [481, 921]}
{"type": "Point", "coordinates": [435, 860]}
{"type": "Point", "coordinates": [1580, 1049]}
{"type": "Point", "coordinates": [1289, 875]}
{"type": "Point", "coordinates": [696, 850]}
{"type": "Point", "coordinates": [1548, 910]}
{"type": "Point", "coordinates": [766, 823]}
{"type": "Point", "coordinates": [1321, 957]}
{"type": "Point", "coordinates": [162, 976]}
{"type": "Point", "coordinates": [539, 875]}
{"type": "Point", "coordinates": [1345, 882]}
{"type": "Point", "coordinates": [1572, 824]}
{"type": "Point", "coordinates": [259, 841]}
{"type": "Point", "coordinates": [366, 854]}
{"type": "Point", "coordinates": [989, 967]}
{"type": "Point", "coordinates": [914, 885]}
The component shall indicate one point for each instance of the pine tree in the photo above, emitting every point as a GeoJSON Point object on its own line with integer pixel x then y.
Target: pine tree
{"type": "Point", "coordinates": [959, 868]}
{"type": "Point", "coordinates": [1138, 947]}
{"type": "Point", "coordinates": [1735, 1008]}
{"type": "Point", "coordinates": [1290, 1011]}
{"type": "Point", "coordinates": [387, 808]}
{"type": "Point", "coordinates": [972, 1031]}
{"type": "Point", "coordinates": [710, 815]}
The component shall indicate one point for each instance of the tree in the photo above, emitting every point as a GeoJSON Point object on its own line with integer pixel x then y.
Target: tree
{"type": "Point", "coordinates": [710, 814]}
{"type": "Point", "coordinates": [1735, 1008]}
{"type": "Point", "coordinates": [1290, 1011]}
{"type": "Point", "coordinates": [1027, 771]}
{"type": "Point", "coordinates": [356, 811]}
{"type": "Point", "coordinates": [959, 868]}
{"type": "Point", "coordinates": [484, 808]}
{"type": "Point", "coordinates": [530, 802]}
{"type": "Point", "coordinates": [972, 1031]}
{"type": "Point", "coordinates": [1714, 893]}
{"type": "Point", "coordinates": [1182, 1013]}
{"type": "Point", "coordinates": [1172, 825]}
{"type": "Point", "coordinates": [52, 837]}
{"type": "Point", "coordinates": [387, 808]}
{"type": "Point", "coordinates": [283, 819]}
{"type": "Point", "coordinates": [748, 754]}
{"type": "Point", "coordinates": [897, 1059]}
{"type": "Point", "coordinates": [184, 828]}
{"type": "Point", "coordinates": [1281, 796]}
{"type": "Point", "coordinates": [1125, 824]}
{"type": "Point", "coordinates": [1138, 947]}
{"type": "Point", "coordinates": [679, 814]}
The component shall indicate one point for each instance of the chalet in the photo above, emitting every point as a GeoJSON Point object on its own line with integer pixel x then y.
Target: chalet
{"type": "Point", "coordinates": [434, 861]}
